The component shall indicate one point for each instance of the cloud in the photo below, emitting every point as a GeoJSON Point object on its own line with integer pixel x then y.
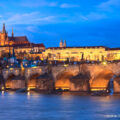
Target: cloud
{"type": "Point", "coordinates": [31, 29]}
{"type": "Point", "coordinates": [25, 18]}
{"type": "Point", "coordinates": [66, 5]}
{"type": "Point", "coordinates": [48, 4]}
{"type": "Point", "coordinates": [92, 16]}
{"type": "Point", "coordinates": [31, 18]}
{"type": "Point", "coordinates": [107, 6]}
{"type": "Point", "coordinates": [48, 18]}
{"type": "Point", "coordinates": [39, 4]}
{"type": "Point", "coordinates": [36, 29]}
{"type": "Point", "coordinates": [101, 11]}
{"type": "Point", "coordinates": [83, 17]}
{"type": "Point", "coordinates": [96, 16]}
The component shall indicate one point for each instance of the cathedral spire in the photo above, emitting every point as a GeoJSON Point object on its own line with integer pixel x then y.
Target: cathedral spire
{"type": "Point", "coordinates": [12, 33]}
{"type": "Point", "coordinates": [3, 30]}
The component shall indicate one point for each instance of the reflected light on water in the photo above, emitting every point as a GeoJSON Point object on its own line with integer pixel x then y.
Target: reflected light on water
{"type": "Point", "coordinates": [3, 92]}
{"type": "Point", "coordinates": [28, 93]}
{"type": "Point", "coordinates": [11, 93]}
{"type": "Point", "coordinates": [66, 97]}
{"type": "Point", "coordinates": [104, 103]}
{"type": "Point", "coordinates": [105, 99]}
{"type": "Point", "coordinates": [67, 107]}
{"type": "Point", "coordinates": [32, 95]}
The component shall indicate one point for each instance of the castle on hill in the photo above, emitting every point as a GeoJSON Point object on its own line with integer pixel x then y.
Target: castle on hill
{"type": "Point", "coordinates": [11, 40]}
{"type": "Point", "coordinates": [24, 48]}
{"type": "Point", "coordinates": [87, 53]}
{"type": "Point", "coordinates": [20, 44]}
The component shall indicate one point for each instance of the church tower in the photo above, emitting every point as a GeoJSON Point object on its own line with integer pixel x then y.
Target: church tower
{"type": "Point", "coordinates": [61, 43]}
{"type": "Point", "coordinates": [64, 45]}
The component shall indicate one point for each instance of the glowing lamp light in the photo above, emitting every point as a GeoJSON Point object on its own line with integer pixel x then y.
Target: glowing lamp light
{"type": "Point", "coordinates": [63, 88]}
{"type": "Point", "coordinates": [104, 63]}
{"type": "Point", "coordinates": [2, 88]}
{"type": "Point", "coordinates": [98, 89]}
{"type": "Point", "coordinates": [28, 89]}
{"type": "Point", "coordinates": [65, 65]}
{"type": "Point", "coordinates": [11, 68]}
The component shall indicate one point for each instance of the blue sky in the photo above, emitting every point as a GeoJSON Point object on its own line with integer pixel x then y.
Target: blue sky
{"type": "Point", "coordinates": [79, 22]}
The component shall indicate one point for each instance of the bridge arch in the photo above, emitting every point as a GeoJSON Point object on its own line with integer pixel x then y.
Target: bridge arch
{"type": "Point", "coordinates": [41, 82]}
{"type": "Point", "coordinates": [32, 81]}
{"type": "Point", "coordinates": [63, 80]}
{"type": "Point", "coordinates": [100, 81]}
{"type": "Point", "coordinates": [8, 81]}
{"type": "Point", "coordinates": [14, 82]}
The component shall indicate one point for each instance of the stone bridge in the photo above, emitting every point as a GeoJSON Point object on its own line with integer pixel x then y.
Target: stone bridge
{"type": "Point", "coordinates": [27, 72]}
{"type": "Point", "coordinates": [73, 77]}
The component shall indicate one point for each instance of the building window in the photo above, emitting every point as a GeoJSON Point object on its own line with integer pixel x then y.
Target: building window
{"type": "Point", "coordinates": [74, 52]}
{"type": "Point", "coordinates": [67, 52]}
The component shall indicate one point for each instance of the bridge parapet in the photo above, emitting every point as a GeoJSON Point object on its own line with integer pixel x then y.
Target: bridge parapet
{"type": "Point", "coordinates": [94, 70]}
{"type": "Point", "coordinates": [13, 71]}
{"type": "Point", "coordinates": [57, 70]}
{"type": "Point", "coordinates": [32, 71]}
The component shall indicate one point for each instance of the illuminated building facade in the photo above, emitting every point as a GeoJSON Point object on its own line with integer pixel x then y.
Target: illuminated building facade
{"type": "Point", "coordinates": [20, 44]}
{"type": "Point", "coordinates": [7, 40]}
{"type": "Point", "coordinates": [95, 53]}
{"type": "Point", "coordinates": [23, 47]}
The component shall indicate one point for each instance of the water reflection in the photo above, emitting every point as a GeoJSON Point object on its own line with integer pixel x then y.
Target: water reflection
{"type": "Point", "coordinates": [33, 95]}
{"type": "Point", "coordinates": [66, 97]}
{"type": "Point", "coordinates": [28, 94]}
{"type": "Point", "coordinates": [33, 106]}
{"type": "Point", "coordinates": [3, 93]}
{"type": "Point", "coordinates": [11, 92]}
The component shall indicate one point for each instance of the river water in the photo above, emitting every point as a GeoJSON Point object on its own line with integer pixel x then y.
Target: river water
{"type": "Point", "coordinates": [23, 106]}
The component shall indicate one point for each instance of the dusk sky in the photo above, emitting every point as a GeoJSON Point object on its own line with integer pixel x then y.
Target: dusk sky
{"type": "Point", "coordinates": [79, 22]}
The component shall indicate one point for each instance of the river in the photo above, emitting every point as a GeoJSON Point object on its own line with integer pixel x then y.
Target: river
{"type": "Point", "coordinates": [26, 106]}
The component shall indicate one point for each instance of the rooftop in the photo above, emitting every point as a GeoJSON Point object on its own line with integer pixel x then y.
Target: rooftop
{"type": "Point", "coordinates": [19, 39]}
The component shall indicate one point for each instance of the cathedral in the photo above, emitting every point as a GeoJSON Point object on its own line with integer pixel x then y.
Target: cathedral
{"type": "Point", "coordinates": [11, 40]}
{"type": "Point", "coordinates": [20, 44]}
